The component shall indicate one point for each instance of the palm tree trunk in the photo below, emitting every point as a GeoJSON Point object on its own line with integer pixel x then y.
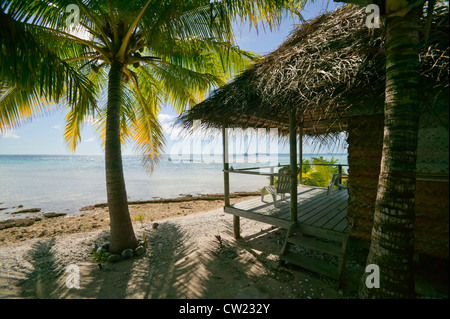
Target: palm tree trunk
{"type": "Point", "coordinates": [392, 233]}
{"type": "Point", "coordinates": [122, 234]}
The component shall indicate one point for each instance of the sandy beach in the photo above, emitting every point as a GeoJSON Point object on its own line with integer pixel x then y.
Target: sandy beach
{"type": "Point", "coordinates": [183, 259]}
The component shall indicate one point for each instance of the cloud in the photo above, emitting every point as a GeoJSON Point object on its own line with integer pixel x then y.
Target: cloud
{"type": "Point", "coordinates": [165, 117]}
{"type": "Point", "coordinates": [174, 131]}
{"type": "Point", "coordinates": [90, 120]}
{"type": "Point", "coordinates": [89, 140]}
{"type": "Point", "coordinates": [9, 135]}
{"type": "Point", "coordinates": [57, 127]}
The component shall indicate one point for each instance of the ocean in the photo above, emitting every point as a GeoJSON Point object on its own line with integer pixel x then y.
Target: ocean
{"type": "Point", "coordinates": [64, 183]}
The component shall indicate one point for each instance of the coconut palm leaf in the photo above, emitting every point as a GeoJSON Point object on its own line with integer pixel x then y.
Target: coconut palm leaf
{"type": "Point", "coordinates": [147, 53]}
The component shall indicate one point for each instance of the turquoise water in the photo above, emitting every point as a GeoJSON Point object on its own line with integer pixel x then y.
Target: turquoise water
{"type": "Point", "coordinates": [67, 183]}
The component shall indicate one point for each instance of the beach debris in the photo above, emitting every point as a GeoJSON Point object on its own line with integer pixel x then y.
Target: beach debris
{"type": "Point", "coordinates": [105, 246]}
{"type": "Point", "coordinates": [155, 225]}
{"type": "Point", "coordinates": [18, 222]}
{"type": "Point", "coordinates": [113, 258]}
{"type": "Point", "coordinates": [28, 210]}
{"type": "Point", "coordinates": [52, 214]}
{"type": "Point", "coordinates": [139, 251]}
{"type": "Point", "coordinates": [186, 207]}
{"type": "Point", "coordinates": [127, 253]}
{"type": "Point", "coordinates": [85, 208]}
{"type": "Point", "coordinates": [219, 241]}
{"type": "Point", "coordinates": [3, 208]}
{"type": "Point", "coordinates": [100, 250]}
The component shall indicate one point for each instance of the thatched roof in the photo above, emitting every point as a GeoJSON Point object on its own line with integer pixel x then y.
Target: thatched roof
{"type": "Point", "coordinates": [331, 68]}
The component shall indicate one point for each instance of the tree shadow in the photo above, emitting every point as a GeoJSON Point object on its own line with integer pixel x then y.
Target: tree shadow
{"type": "Point", "coordinates": [236, 268]}
{"type": "Point", "coordinates": [180, 262]}
{"type": "Point", "coordinates": [40, 283]}
{"type": "Point", "coordinates": [105, 280]}
{"type": "Point", "coordinates": [160, 273]}
{"type": "Point", "coordinates": [170, 264]}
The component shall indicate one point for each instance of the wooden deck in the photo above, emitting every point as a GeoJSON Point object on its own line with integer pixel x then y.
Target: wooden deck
{"type": "Point", "coordinates": [315, 209]}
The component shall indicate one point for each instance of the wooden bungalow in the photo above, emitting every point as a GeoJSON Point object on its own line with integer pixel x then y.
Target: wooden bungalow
{"type": "Point", "coordinates": [328, 77]}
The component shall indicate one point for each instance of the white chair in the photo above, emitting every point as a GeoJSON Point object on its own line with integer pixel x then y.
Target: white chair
{"type": "Point", "coordinates": [335, 178]}
{"type": "Point", "coordinates": [283, 186]}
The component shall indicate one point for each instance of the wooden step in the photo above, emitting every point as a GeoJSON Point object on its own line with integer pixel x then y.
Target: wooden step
{"type": "Point", "coordinates": [315, 244]}
{"type": "Point", "coordinates": [319, 232]}
{"type": "Point", "coordinates": [311, 264]}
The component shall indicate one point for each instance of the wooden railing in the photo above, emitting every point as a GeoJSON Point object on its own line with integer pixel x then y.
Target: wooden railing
{"type": "Point", "coordinates": [272, 174]}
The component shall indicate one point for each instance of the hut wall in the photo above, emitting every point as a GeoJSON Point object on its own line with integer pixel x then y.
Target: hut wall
{"type": "Point", "coordinates": [432, 197]}
{"type": "Point", "coordinates": [365, 141]}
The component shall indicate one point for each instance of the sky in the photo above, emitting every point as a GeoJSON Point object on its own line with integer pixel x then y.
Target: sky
{"type": "Point", "coordinates": [44, 134]}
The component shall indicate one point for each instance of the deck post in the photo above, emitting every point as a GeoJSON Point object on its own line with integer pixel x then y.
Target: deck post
{"type": "Point", "coordinates": [293, 161]}
{"type": "Point", "coordinates": [271, 179]}
{"type": "Point", "coordinates": [226, 181]}
{"type": "Point", "coordinates": [300, 151]}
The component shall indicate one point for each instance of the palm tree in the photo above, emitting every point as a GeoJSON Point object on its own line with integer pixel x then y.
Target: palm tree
{"type": "Point", "coordinates": [392, 237]}
{"type": "Point", "coordinates": [392, 233]}
{"type": "Point", "coordinates": [137, 56]}
{"type": "Point", "coordinates": [33, 78]}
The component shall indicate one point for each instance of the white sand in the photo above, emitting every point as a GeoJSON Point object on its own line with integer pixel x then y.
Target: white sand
{"type": "Point", "coordinates": [183, 260]}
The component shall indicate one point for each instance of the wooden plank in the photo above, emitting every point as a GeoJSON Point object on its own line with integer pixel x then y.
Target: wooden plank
{"type": "Point", "coordinates": [315, 244]}
{"type": "Point", "coordinates": [300, 150]}
{"type": "Point", "coordinates": [256, 205]}
{"type": "Point", "coordinates": [341, 262]}
{"type": "Point", "coordinates": [293, 162]}
{"type": "Point", "coordinates": [317, 219]}
{"type": "Point", "coordinates": [342, 226]}
{"type": "Point", "coordinates": [226, 182]}
{"type": "Point", "coordinates": [331, 224]}
{"type": "Point", "coordinates": [309, 203]}
{"type": "Point", "coordinates": [320, 232]}
{"type": "Point", "coordinates": [334, 215]}
{"type": "Point", "coordinates": [286, 243]}
{"type": "Point", "coordinates": [324, 204]}
{"type": "Point", "coordinates": [311, 264]}
{"type": "Point", "coordinates": [322, 209]}
{"type": "Point", "coordinates": [226, 175]}
{"type": "Point", "coordinates": [258, 217]}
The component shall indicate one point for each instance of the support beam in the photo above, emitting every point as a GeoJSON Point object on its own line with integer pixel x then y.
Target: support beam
{"type": "Point", "coordinates": [300, 150]}
{"type": "Point", "coordinates": [293, 161]}
{"type": "Point", "coordinates": [226, 181]}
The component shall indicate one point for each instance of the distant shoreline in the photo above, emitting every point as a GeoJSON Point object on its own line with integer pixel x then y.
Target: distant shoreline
{"type": "Point", "coordinates": [185, 198]}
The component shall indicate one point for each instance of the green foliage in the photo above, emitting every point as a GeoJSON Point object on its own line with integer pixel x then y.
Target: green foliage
{"type": "Point", "coordinates": [144, 239]}
{"type": "Point", "coordinates": [99, 256]}
{"type": "Point", "coordinates": [320, 174]}
{"type": "Point", "coordinates": [140, 218]}
{"type": "Point", "coordinates": [317, 172]}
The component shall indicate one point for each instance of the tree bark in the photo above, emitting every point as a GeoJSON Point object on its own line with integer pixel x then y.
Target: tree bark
{"type": "Point", "coordinates": [392, 233]}
{"type": "Point", "coordinates": [122, 233]}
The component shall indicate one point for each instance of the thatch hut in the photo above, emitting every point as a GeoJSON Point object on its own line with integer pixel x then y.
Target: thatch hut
{"type": "Point", "coordinates": [331, 72]}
